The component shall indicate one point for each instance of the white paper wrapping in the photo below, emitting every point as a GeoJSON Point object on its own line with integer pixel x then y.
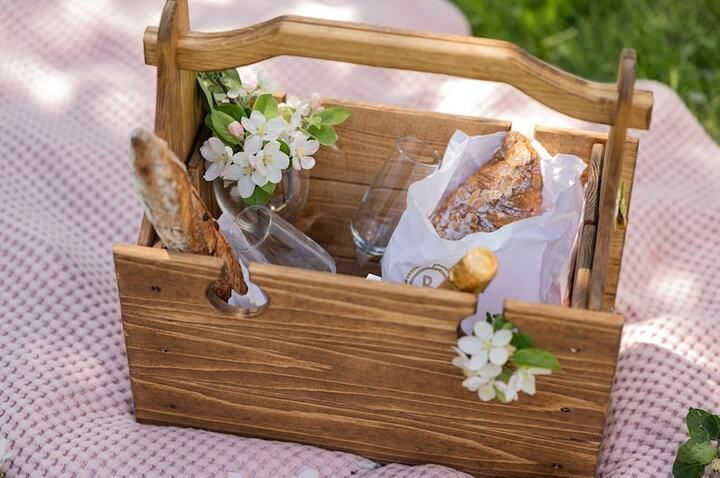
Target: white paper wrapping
{"type": "Point", "coordinates": [533, 254]}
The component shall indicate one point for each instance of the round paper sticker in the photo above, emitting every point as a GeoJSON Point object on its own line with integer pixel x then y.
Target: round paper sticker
{"type": "Point", "coordinates": [427, 276]}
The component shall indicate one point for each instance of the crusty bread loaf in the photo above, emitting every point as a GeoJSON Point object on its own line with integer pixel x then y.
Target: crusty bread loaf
{"type": "Point", "coordinates": [176, 210]}
{"type": "Point", "coordinates": [505, 189]}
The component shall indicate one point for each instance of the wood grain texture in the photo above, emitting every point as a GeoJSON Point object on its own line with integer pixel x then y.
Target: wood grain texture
{"type": "Point", "coordinates": [580, 143]}
{"type": "Point", "coordinates": [588, 230]}
{"type": "Point", "coordinates": [358, 366]}
{"type": "Point", "coordinates": [611, 180]}
{"type": "Point", "coordinates": [177, 108]}
{"type": "Point", "coordinates": [478, 58]}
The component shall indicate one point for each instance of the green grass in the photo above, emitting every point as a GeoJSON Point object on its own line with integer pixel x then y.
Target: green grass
{"type": "Point", "coordinates": [677, 41]}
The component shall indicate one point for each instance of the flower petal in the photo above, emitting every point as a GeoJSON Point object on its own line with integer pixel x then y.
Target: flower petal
{"type": "Point", "coordinates": [271, 148]}
{"type": "Point", "coordinates": [246, 187]}
{"type": "Point", "coordinates": [214, 171]}
{"type": "Point", "coordinates": [233, 171]}
{"type": "Point", "coordinates": [473, 383]}
{"type": "Point", "coordinates": [483, 330]}
{"type": "Point", "coordinates": [296, 163]}
{"type": "Point", "coordinates": [274, 174]}
{"type": "Point", "coordinates": [469, 345]}
{"type": "Point", "coordinates": [253, 144]}
{"type": "Point", "coordinates": [499, 355]}
{"type": "Point", "coordinates": [281, 159]}
{"type": "Point", "coordinates": [311, 147]}
{"type": "Point", "coordinates": [486, 392]}
{"type": "Point", "coordinates": [217, 145]}
{"type": "Point", "coordinates": [259, 178]}
{"type": "Point", "coordinates": [274, 127]}
{"type": "Point", "coordinates": [477, 360]}
{"type": "Point", "coordinates": [248, 125]}
{"type": "Point", "coordinates": [489, 371]}
{"type": "Point", "coordinates": [308, 162]}
{"type": "Point", "coordinates": [502, 337]}
{"type": "Point", "coordinates": [207, 152]}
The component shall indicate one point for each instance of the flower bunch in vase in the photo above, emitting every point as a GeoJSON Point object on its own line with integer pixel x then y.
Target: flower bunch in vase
{"type": "Point", "coordinates": [256, 139]}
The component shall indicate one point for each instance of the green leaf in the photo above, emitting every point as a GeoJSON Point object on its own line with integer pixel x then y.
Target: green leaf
{"type": "Point", "coordinates": [285, 148]}
{"type": "Point", "coordinates": [206, 98]}
{"type": "Point", "coordinates": [696, 453]}
{"type": "Point", "coordinates": [266, 105]}
{"type": "Point", "coordinates": [231, 78]}
{"type": "Point", "coordinates": [233, 110]}
{"type": "Point", "coordinates": [521, 341]}
{"type": "Point", "coordinates": [687, 470]}
{"type": "Point", "coordinates": [535, 358]}
{"type": "Point", "coordinates": [324, 134]}
{"type": "Point", "coordinates": [498, 322]}
{"type": "Point", "coordinates": [702, 426]}
{"type": "Point", "coordinates": [261, 195]}
{"type": "Point", "coordinates": [208, 123]}
{"type": "Point", "coordinates": [333, 116]}
{"type": "Point", "coordinates": [219, 122]}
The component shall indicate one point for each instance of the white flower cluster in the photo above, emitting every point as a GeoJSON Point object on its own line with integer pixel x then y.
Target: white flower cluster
{"type": "Point", "coordinates": [264, 147]}
{"type": "Point", "coordinates": [485, 358]}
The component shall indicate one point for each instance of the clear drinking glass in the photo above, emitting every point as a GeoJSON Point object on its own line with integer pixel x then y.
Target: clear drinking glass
{"type": "Point", "coordinates": [384, 201]}
{"type": "Point", "coordinates": [260, 235]}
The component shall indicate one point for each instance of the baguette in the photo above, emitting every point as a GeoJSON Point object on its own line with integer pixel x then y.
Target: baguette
{"type": "Point", "coordinates": [505, 189]}
{"type": "Point", "coordinates": [176, 211]}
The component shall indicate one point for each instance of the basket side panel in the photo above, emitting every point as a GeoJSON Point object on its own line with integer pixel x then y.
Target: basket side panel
{"type": "Point", "coordinates": [580, 143]}
{"type": "Point", "coordinates": [358, 366]}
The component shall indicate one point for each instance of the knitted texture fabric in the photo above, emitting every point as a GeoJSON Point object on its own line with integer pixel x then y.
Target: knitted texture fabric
{"type": "Point", "coordinates": [73, 85]}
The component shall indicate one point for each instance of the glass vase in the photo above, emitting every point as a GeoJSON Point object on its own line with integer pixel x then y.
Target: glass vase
{"type": "Point", "coordinates": [287, 200]}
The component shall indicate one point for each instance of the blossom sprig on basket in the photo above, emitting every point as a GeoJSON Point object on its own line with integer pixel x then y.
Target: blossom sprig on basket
{"type": "Point", "coordinates": [702, 448]}
{"type": "Point", "coordinates": [256, 139]}
{"type": "Point", "coordinates": [499, 361]}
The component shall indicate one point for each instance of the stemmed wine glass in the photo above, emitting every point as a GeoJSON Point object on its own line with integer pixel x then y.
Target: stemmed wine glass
{"type": "Point", "coordinates": [259, 235]}
{"type": "Point", "coordinates": [384, 201]}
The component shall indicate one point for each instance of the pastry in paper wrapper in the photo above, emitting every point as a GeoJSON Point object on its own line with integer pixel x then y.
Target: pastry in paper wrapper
{"type": "Point", "coordinates": [529, 222]}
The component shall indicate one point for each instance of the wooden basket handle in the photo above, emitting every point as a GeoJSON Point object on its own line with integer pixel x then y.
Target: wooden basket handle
{"type": "Point", "coordinates": [477, 58]}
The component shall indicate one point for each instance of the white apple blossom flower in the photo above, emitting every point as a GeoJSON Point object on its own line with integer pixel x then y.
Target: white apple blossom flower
{"type": "Point", "coordinates": [485, 344]}
{"type": "Point", "coordinates": [483, 381]}
{"type": "Point", "coordinates": [234, 93]}
{"type": "Point", "coordinates": [244, 168]}
{"type": "Point", "coordinates": [315, 102]}
{"type": "Point", "coordinates": [301, 150]}
{"type": "Point", "coordinates": [270, 161]}
{"type": "Point", "coordinates": [507, 389]}
{"type": "Point", "coordinates": [265, 84]}
{"type": "Point", "coordinates": [296, 103]}
{"type": "Point", "coordinates": [218, 155]}
{"type": "Point", "coordinates": [266, 130]}
{"type": "Point", "coordinates": [523, 380]}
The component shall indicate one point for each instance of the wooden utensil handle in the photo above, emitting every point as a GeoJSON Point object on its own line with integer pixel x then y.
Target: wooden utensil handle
{"type": "Point", "coordinates": [473, 272]}
{"type": "Point", "coordinates": [478, 58]}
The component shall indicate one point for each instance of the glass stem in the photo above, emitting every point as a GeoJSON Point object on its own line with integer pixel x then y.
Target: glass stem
{"type": "Point", "coordinates": [361, 258]}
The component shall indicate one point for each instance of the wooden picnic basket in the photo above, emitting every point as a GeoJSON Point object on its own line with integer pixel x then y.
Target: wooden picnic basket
{"type": "Point", "coordinates": [362, 366]}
